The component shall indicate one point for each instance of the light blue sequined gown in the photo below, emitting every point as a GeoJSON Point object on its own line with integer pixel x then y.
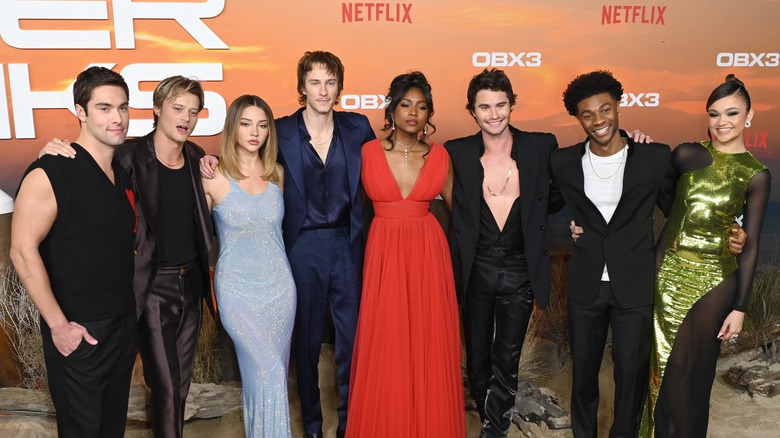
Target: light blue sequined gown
{"type": "Point", "coordinates": [256, 300]}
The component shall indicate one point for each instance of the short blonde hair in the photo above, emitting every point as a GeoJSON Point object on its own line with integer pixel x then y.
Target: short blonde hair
{"type": "Point", "coordinates": [173, 86]}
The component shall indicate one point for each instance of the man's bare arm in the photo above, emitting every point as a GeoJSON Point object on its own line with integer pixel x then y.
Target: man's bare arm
{"type": "Point", "coordinates": [35, 211]}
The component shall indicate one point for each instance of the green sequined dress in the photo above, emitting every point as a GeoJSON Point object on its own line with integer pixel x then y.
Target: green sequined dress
{"type": "Point", "coordinates": [698, 282]}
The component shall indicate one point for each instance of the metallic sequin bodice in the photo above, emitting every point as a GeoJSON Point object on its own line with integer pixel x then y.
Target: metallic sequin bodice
{"type": "Point", "coordinates": [696, 256]}
{"type": "Point", "coordinates": [706, 202]}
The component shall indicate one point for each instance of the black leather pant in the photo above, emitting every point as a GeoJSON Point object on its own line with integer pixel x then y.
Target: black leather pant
{"type": "Point", "coordinates": [498, 305]}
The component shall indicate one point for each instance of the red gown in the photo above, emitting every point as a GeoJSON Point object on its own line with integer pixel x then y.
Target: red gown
{"type": "Point", "coordinates": [406, 374]}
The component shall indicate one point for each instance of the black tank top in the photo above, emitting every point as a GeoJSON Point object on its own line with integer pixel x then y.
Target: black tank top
{"type": "Point", "coordinates": [177, 242]}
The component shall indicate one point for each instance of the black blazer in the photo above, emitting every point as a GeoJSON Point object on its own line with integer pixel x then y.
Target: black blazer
{"type": "Point", "coordinates": [626, 244]}
{"type": "Point", "coordinates": [139, 159]}
{"type": "Point", "coordinates": [355, 130]}
{"type": "Point", "coordinates": [531, 151]}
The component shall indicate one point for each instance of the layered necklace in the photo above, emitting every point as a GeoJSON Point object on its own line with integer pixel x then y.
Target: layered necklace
{"type": "Point", "coordinates": [508, 174]}
{"type": "Point", "coordinates": [406, 151]}
{"type": "Point", "coordinates": [624, 153]}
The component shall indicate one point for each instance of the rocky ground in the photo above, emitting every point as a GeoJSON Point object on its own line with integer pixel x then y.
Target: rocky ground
{"type": "Point", "coordinates": [733, 413]}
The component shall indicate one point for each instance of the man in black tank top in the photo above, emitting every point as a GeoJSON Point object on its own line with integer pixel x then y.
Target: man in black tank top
{"type": "Point", "coordinates": [499, 242]}
{"type": "Point", "coordinates": [72, 245]}
{"type": "Point", "coordinates": [171, 248]}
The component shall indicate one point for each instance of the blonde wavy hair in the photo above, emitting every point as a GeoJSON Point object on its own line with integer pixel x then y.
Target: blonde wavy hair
{"type": "Point", "coordinates": [228, 162]}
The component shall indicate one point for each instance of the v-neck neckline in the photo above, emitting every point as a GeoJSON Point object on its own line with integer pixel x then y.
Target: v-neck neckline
{"type": "Point", "coordinates": [97, 167]}
{"type": "Point", "coordinates": [392, 175]}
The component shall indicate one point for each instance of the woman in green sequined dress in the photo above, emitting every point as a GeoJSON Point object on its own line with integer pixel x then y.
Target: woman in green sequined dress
{"type": "Point", "coordinates": [702, 289]}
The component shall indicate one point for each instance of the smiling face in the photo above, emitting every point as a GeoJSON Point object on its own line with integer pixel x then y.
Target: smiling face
{"type": "Point", "coordinates": [491, 111]}
{"type": "Point", "coordinates": [411, 114]}
{"type": "Point", "coordinates": [252, 129]}
{"type": "Point", "coordinates": [321, 89]}
{"type": "Point", "coordinates": [727, 117]}
{"type": "Point", "coordinates": [598, 116]}
{"type": "Point", "coordinates": [106, 117]}
{"type": "Point", "coordinates": [177, 117]}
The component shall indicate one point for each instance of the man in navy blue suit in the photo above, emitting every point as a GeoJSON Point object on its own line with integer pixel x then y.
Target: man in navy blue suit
{"type": "Point", "coordinates": [323, 225]}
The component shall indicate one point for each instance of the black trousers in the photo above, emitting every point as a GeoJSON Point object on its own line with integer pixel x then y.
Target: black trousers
{"type": "Point", "coordinates": [631, 344]}
{"type": "Point", "coordinates": [167, 338]}
{"type": "Point", "coordinates": [90, 387]}
{"type": "Point", "coordinates": [496, 312]}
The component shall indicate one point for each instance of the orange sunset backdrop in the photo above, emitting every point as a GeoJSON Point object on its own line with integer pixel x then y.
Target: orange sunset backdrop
{"type": "Point", "coordinates": [672, 57]}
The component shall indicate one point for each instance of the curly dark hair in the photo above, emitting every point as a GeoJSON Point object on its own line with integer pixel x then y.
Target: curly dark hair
{"type": "Point", "coordinates": [732, 86]}
{"type": "Point", "coordinates": [493, 80]}
{"type": "Point", "coordinates": [398, 88]}
{"type": "Point", "coordinates": [588, 85]}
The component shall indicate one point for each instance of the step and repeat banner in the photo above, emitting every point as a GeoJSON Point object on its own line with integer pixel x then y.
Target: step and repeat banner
{"type": "Point", "coordinates": [668, 55]}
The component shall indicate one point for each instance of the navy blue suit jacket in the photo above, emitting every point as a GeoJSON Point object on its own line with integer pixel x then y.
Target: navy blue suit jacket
{"type": "Point", "coordinates": [355, 130]}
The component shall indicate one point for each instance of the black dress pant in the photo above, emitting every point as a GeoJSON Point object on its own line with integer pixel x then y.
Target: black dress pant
{"type": "Point", "coordinates": [631, 344]}
{"type": "Point", "coordinates": [167, 338]}
{"type": "Point", "coordinates": [90, 387]}
{"type": "Point", "coordinates": [496, 312]}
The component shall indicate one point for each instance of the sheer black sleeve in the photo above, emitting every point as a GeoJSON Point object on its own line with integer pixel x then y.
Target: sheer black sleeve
{"type": "Point", "coordinates": [685, 158]}
{"type": "Point", "coordinates": [688, 157]}
{"type": "Point", "coordinates": [755, 207]}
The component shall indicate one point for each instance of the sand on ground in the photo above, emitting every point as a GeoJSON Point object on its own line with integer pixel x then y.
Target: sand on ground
{"type": "Point", "coordinates": [733, 412]}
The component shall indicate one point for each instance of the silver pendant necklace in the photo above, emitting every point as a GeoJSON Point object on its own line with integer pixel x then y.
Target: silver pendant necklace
{"type": "Point", "coordinates": [406, 152]}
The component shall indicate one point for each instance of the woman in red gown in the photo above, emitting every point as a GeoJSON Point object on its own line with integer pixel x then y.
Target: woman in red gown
{"type": "Point", "coordinates": [406, 375]}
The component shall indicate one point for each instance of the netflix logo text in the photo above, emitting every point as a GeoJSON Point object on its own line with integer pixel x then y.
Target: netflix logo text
{"type": "Point", "coordinates": [387, 12]}
{"type": "Point", "coordinates": [627, 14]}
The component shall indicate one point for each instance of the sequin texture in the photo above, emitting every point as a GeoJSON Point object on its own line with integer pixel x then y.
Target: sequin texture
{"type": "Point", "coordinates": [256, 299]}
{"type": "Point", "coordinates": [696, 256]}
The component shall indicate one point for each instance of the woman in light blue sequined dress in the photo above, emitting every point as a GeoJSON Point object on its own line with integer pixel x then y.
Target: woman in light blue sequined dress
{"type": "Point", "coordinates": [252, 280]}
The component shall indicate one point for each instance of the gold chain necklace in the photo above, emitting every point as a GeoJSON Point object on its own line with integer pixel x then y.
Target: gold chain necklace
{"type": "Point", "coordinates": [508, 174]}
{"type": "Point", "coordinates": [171, 165]}
{"type": "Point", "coordinates": [622, 161]}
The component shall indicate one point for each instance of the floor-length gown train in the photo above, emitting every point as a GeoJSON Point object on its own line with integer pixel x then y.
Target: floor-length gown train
{"type": "Point", "coordinates": [406, 374]}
